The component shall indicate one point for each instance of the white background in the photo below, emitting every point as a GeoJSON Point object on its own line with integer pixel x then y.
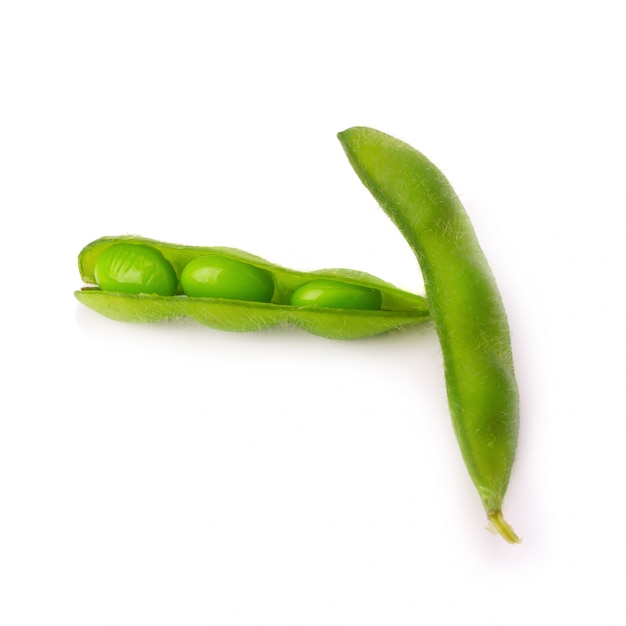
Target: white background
{"type": "Point", "coordinates": [177, 474]}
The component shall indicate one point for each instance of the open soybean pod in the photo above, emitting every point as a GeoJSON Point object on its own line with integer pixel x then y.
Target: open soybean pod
{"type": "Point", "coordinates": [397, 308]}
{"type": "Point", "coordinates": [464, 303]}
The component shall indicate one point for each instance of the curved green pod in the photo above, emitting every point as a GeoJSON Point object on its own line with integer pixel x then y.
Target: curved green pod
{"type": "Point", "coordinates": [398, 308]}
{"type": "Point", "coordinates": [464, 303]}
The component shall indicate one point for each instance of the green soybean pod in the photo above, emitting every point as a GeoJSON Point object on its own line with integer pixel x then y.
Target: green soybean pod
{"type": "Point", "coordinates": [336, 295]}
{"type": "Point", "coordinates": [136, 269]}
{"type": "Point", "coordinates": [399, 309]}
{"type": "Point", "coordinates": [464, 302]}
{"type": "Point", "coordinates": [215, 276]}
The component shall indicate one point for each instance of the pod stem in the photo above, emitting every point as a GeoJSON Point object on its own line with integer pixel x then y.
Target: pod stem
{"type": "Point", "coordinates": [502, 526]}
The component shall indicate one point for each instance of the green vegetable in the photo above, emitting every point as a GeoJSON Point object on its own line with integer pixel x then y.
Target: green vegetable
{"type": "Point", "coordinates": [218, 276]}
{"type": "Point", "coordinates": [398, 308]}
{"type": "Point", "coordinates": [129, 268]}
{"type": "Point", "coordinates": [464, 303]}
{"type": "Point", "coordinates": [336, 295]}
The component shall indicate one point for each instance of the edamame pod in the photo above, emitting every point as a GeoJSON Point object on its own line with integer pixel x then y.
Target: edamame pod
{"type": "Point", "coordinates": [464, 303]}
{"type": "Point", "coordinates": [398, 308]}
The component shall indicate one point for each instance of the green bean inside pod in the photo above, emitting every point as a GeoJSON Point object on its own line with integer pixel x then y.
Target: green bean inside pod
{"type": "Point", "coordinates": [217, 276]}
{"type": "Point", "coordinates": [336, 295]}
{"type": "Point", "coordinates": [137, 268]}
{"type": "Point", "coordinates": [230, 310]}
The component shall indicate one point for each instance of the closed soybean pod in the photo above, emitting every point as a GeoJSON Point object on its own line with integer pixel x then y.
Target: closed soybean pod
{"type": "Point", "coordinates": [464, 302]}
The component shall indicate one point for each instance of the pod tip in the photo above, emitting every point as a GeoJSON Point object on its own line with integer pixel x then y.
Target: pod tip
{"type": "Point", "coordinates": [502, 526]}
